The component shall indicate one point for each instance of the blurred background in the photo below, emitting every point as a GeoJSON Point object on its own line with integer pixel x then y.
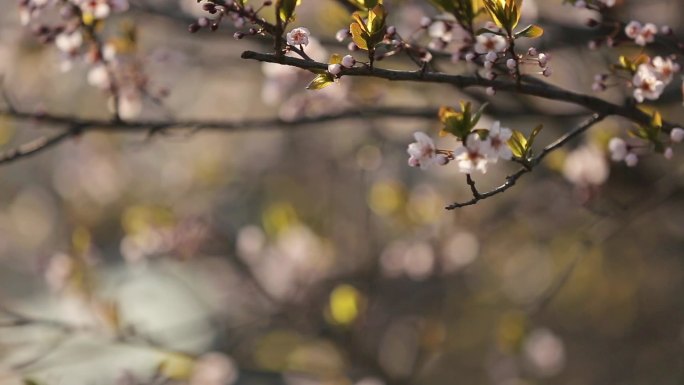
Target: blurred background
{"type": "Point", "coordinates": [314, 254]}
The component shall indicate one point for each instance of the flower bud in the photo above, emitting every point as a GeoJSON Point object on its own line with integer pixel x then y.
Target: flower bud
{"type": "Point", "coordinates": [490, 91]}
{"type": "Point", "coordinates": [348, 61]}
{"type": "Point", "coordinates": [335, 69]}
{"type": "Point", "coordinates": [677, 135]}
{"type": "Point", "coordinates": [511, 63]}
{"type": "Point", "coordinates": [631, 159]}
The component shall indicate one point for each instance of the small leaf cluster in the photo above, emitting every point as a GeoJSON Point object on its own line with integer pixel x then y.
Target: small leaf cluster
{"type": "Point", "coordinates": [460, 123]}
{"type": "Point", "coordinates": [369, 31]}
{"type": "Point", "coordinates": [520, 145]}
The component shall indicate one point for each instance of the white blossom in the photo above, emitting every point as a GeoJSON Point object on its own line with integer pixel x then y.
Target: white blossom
{"type": "Point", "coordinates": [422, 152]}
{"type": "Point", "coordinates": [664, 68]}
{"type": "Point", "coordinates": [474, 155]}
{"type": "Point", "coordinates": [498, 141]}
{"type": "Point", "coordinates": [298, 36]}
{"type": "Point", "coordinates": [646, 84]}
{"type": "Point", "coordinates": [489, 42]}
{"type": "Point", "coordinates": [633, 29]}
{"type": "Point", "coordinates": [641, 35]}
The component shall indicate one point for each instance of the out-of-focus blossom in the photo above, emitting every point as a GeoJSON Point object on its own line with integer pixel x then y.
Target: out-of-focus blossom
{"type": "Point", "coordinates": [618, 149]}
{"type": "Point", "coordinates": [586, 166]}
{"type": "Point", "coordinates": [641, 35]}
{"type": "Point", "coordinates": [214, 369]}
{"type": "Point", "coordinates": [101, 9]}
{"type": "Point", "coordinates": [677, 135]}
{"type": "Point", "coordinates": [98, 76]}
{"type": "Point", "coordinates": [58, 272]}
{"type": "Point", "coordinates": [69, 42]}
{"type": "Point", "coordinates": [544, 352]}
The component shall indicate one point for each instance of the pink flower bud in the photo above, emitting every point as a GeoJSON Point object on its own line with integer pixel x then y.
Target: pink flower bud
{"type": "Point", "coordinates": [441, 159]}
{"type": "Point", "coordinates": [491, 56]}
{"type": "Point", "coordinates": [669, 153]}
{"type": "Point", "coordinates": [425, 22]}
{"type": "Point", "coordinates": [348, 61]}
{"type": "Point", "coordinates": [511, 63]}
{"type": "Point", "coordinates": [631, 159]}
{"type": "Point", "coordinates": [677, 135]}
{"type": "Point", "coordinates": [490, 91]}
{"type": "Point", "coordinates": [335, 69]}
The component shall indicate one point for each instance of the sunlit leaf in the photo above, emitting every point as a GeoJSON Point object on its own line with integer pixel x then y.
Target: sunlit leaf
{"type": "Point", "coordinates": [320, 81]}
{"type": "Point", "coordinates": [531, 31]}
{"type": "Point", "coordinates": [518, 144]}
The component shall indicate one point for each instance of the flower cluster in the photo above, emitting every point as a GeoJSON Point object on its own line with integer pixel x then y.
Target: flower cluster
{"type": "Point", "coordinates": [629, 151]}
{"type": "Point", "coordinates": [479, 149]}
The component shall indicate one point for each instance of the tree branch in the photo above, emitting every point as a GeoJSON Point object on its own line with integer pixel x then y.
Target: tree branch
{"type": "Point", "coordinates": [79, 125]}
{"type": "Point", "coordinates": [531, 164]}
{"type": "Point", "coordinates": [539, 88]}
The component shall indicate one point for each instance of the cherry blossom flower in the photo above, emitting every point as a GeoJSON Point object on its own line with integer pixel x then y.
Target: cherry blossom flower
{"type": "Point", "coordinates": [633, 29]}
{"type": "Point", "coordinates": [489, 42]}
{"type": "Point", "coordinates": [664, 68]}
{"type": "Point", "coordinates": [646, 84]}
{"type": "Point", "coordinates": [498, 140]}
{"type": "Point", "coordinates": [422, 153]}
{"type": "Point", "coordinates": [298, 36]}
{"type": "Point", "coordinates": [641, 35]}
{"type": "Point", "coordinates": [473, 155]}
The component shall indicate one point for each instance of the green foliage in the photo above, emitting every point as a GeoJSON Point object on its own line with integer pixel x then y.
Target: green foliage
{"type": "Point", "coordinates": [460, 123]}
{"type": "Point", "coordinates": [505, 13]}
{"type": "Point", "coordinates": [287, 9]}
{"type": "Point", "coordinates": [531, 31]}
{"type": "Point", "coordinates": [371, 31]}
{"type": "Point", "coordinates": [520, 145]}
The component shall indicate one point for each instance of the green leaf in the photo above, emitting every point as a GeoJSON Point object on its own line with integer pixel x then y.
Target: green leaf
{"type": "Point", "coordinates": [518, 144]}
{"type": "Point", "coordinates": [30, 381]}
{"type": "Point", "coordinates": [532, 31]}
{"type": "Point", "coordinates": [320, 81]}
{"type": "Point", "coordinates": [287, 8]}
{"type": "Point", "coordinates": [359, 36]}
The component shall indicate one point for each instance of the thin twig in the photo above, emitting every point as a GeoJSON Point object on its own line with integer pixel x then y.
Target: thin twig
{"type": "Point", "coordinates": [531, 164]}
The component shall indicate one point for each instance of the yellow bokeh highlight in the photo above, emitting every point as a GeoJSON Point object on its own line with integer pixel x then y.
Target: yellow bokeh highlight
{"type": "Point", "coordinates": [345, 304]}
{"type": "Point", "coordinates": [278, 217]}
{"type": "Point", "coordinates": [386, 197]}
{"type": "Point", "coordinates": [177, 366]}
